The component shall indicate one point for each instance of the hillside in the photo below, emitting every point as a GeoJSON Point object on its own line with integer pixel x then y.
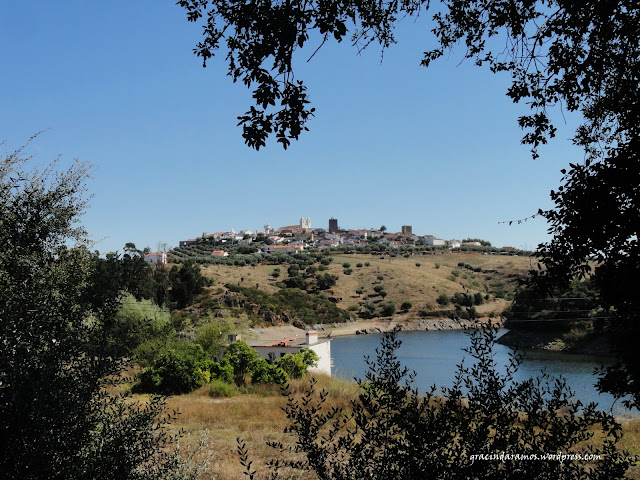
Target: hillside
{"type": "Point", "coordinates": [258, 292]}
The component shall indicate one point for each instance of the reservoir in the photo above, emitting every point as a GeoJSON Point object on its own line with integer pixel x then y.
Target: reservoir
{"type": "Point", "coordinates": [434, 356]}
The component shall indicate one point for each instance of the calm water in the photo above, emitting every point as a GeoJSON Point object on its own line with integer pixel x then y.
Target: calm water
{"type": "Point", "coordinates": [435, 355]}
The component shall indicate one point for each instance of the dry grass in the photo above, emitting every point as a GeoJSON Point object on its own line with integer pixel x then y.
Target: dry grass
{"type": "Point", "coordinates": [257, 417]}
{"type": "Point", "coordinates": [402, 279]}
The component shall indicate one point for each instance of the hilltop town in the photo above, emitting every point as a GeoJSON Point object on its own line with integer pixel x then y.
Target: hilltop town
{"type": "Point", "coordinates": [297, 238]}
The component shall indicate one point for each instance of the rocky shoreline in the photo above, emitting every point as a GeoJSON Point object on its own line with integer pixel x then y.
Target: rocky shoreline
{"type": "Point", "coordinates": [364, 327]}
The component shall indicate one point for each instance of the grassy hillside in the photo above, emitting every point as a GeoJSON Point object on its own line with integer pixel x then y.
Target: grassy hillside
{"type": "Point", "coordinates": [417, 279]}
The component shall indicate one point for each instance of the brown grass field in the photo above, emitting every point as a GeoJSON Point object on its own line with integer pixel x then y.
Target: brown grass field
{"type": "Point", "coordinates": [257, 417]}
{"type": "Point", "coordinates": [402, 279]}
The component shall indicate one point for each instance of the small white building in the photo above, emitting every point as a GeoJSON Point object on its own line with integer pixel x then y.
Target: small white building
{"type": "Point", "coordinates": [431, 240]}
{"type": "Point", "coordinates": [219, 253]}
{"type": "Point", "coordinates": [155, 258]}
{"type": "Point", "coordinates": [274, 350]}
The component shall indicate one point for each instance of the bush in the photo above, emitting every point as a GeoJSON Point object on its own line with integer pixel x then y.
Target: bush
{"type": "Point", "coordinates": [296, 365]}
{"type": "Point", "coordinates": [387, 309]}
{"type": "Point", "coordinates": [325, 281]}
{"type": "Point", "coordinates": [295, 282]}
{"type": "Point", "coordinates": [263, 373]}
{"type": "Point", "coordinates": [176, 372]}
{"type": "Point", "coordinates": [478, 298]}
{"type": "Point", "coordinates": [367, 264]}
{"type": "Point", "coordinates": [222, 370]}
{"type": "Point", "coordinates": [378, 289]}
{"type": "Point", "coordinates": [358, 265]}
{"type": "Point", "coordinates": [347, 271]}
{"type": "Point", "coordinates": [346, 265]}
{"type": "Point", "coordinates": [406, 306]}
{"type": "Point", "coordinates": [219, 388]}
{"type": "Point", "coordinates": [443, 299]}
{"type": "Point", "coordinates": [418, 264]}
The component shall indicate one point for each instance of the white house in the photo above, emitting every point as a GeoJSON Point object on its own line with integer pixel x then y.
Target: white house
{"type": "Point", "coordinates": [431, 240]}
{"type": "Point", "coordinates": [155, 258]}
{"type": "Point", "coordinates": [274, 350]}
{"type": "Point", "coordinates": [455, 243]}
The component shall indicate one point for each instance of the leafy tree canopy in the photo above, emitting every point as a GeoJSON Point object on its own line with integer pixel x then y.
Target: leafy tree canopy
{"type": "Point", "coordinates": [57, 418]}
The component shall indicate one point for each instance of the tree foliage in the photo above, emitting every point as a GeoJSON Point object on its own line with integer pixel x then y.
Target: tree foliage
{"type": "Point", "coordinates": [57, 419]}
{"type": "Point", "coordinates": [392, 432]}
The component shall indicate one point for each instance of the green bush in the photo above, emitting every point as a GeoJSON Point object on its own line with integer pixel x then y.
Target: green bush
{"type": "Point", "coordinates": [378, 289]}
{"type": "Point", "coordinates": [176, 372]}
{"type": "Point", "coordinates": [346, 265]}
{"type": "Point", "coordinates": [347, 271]}
{"type": "Point", "coordinates": [387, 309]}
{"type": "Point", "coordinates": [296, 365]}
{"type": "Point", "coordinates": [219, 388]}
{"type": "Point", "coordinates": [263, 373]}
{"type": "Point", "coordinates": [222, 370]}
{"type": "Point", "coordinates": [443, 299]}
{"type": "Point", "coordinates": [406, 305]}
{"type": "Point", "coordinates": [367, 264]}
{"type": "Point", "coordinates": [478, 298]}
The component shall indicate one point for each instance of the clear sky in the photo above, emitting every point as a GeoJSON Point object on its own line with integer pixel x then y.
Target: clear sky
{"type": "Point", "coordinates": [116, 84]}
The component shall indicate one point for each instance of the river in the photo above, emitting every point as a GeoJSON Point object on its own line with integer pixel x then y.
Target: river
{"type": "Point", "coordinates": [434, 356]}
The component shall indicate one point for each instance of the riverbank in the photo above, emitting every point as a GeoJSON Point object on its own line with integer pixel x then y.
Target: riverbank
{"type": "Point", "coordinates": [362, 327]}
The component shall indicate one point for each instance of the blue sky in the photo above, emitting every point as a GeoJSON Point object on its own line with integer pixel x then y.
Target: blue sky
{"type": "Point", "coordinates": [116, 84]}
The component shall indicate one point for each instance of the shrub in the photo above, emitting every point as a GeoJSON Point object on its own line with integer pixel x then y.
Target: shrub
{"type": "Point", "coordinates": [263, 372]}
{"type": "Point", "coordinates": [367, 264]}
{"type": "Point", "coordinates": [360, 290]}
{"type": "Point", "coordinates": [295, 282]}
{"type": "Point", "coordinates": [380, 277]}
{"type": "Point", "coordinates": [406, 305]}
{"type": "Point", "coordinates": [437, 265]}
{"type": "Point", "coordinates": [219, 388]}
{"type": "Point", "coordinates": [296, 365]}
{"type": "Point", "coordinates": [443, 299]}
{"type": "Point", "coordinates": [378, 289]}
{"type": "Point", "coordinates": [418, 264]}
{"type": "Point", "coordinates": [346, 265]}
{"type": "Point", "coordinates": [325, 281]}
{"type": "Point", "coordinates": [176, 372]}
{"type": "Point", "coordinates": [387, 309]}
{"type": "Point", "coordinates": [347, 271]}
{"type": "Point", "coordinates": [222, 370]}
{"type": "Point", "coordinates": [478, 298]}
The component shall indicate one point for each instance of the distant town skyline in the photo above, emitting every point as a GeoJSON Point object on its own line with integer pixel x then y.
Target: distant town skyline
{"type": "Point", "coordinates": [391, 143]}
